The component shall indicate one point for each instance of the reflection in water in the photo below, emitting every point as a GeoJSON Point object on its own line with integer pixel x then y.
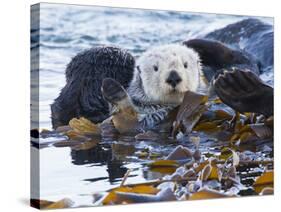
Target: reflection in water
{"type": "Point", "coordinates": [97, 154]}
{"type": "Point", "coordinates": [115, 170]}
{"type": "Point", "coordinates": [97, 165]}
{"type": "Point", "coordinates": [100, 155]}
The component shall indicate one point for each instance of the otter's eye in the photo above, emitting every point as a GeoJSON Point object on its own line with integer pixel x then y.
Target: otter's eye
{"type": "Point", "coordinates": [155, 68]}
{"type": "Point", "coordinates": [185, 65]}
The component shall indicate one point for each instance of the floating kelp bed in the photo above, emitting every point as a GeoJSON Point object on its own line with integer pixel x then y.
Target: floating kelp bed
{"type": "Point", "coordinates": [218, 157]}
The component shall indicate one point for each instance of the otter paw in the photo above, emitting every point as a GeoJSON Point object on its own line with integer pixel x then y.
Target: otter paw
{"type": "Point", "coordinates": [113, 91]}
{"type": "Point", "coordinates": [244, 91]}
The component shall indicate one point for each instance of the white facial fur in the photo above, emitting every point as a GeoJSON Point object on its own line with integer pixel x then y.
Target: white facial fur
{"type": "Point", "coordinates": [168, 58]}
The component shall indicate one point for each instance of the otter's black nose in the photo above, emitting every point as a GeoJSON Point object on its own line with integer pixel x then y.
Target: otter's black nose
{"type": "Point", "coordinates": [173, 79]}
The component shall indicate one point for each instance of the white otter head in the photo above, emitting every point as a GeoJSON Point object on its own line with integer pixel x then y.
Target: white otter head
{"type": "Point", "coordinates": [167, 72]}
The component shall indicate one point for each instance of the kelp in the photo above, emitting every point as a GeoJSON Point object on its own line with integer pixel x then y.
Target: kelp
{"type": "Point", "coordinates": [264, 181]}
{"type": "Point", "coordinates": [113, 197]}
{"type": "Point", "coordinates": [84, 126]}
{"type": "Point", "coordinates": [189, 113]}
{"type": "Point", "coordinates": [45, 204]}
{"type": "Point", "coordinates": [187, 172]}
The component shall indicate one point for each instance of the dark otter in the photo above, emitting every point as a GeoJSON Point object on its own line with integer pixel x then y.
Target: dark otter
{"type": "Point", "coordinates": [251, 35]}
{"type": "Point", "coordinates": [234, 72]}
{"type": "Point", "coordinates": [81, 96]}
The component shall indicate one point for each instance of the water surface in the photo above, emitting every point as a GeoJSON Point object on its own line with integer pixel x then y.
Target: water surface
{"type": "Point", "coordinates": [66, 30]}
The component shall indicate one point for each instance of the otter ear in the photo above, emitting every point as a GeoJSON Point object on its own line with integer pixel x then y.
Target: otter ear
{"type": "Point", "coordinates": [138, 68]}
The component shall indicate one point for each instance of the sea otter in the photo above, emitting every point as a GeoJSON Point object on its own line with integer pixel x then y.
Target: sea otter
{"type": "Point", "coordinates": [162, 76]}
{"type": "Point", "coordinates": [81, 96]}
{"type": "Point", "coordinates": [156, 84]}
{"type": "Point", "coordinates": [158, 80]}
{"type": "Point", "coordinates": [233, 69]}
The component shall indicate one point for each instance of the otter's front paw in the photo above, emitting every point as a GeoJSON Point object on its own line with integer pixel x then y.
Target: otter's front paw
{"type": "Point", "coordinates": [113, 91]}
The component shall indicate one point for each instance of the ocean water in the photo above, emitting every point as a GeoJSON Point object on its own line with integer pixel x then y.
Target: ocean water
{"type": "Point", "coordinates": [66, 30]}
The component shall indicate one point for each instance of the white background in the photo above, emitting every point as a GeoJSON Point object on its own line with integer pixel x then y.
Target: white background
{"type": "Point", "coordinates": [14, 112]}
